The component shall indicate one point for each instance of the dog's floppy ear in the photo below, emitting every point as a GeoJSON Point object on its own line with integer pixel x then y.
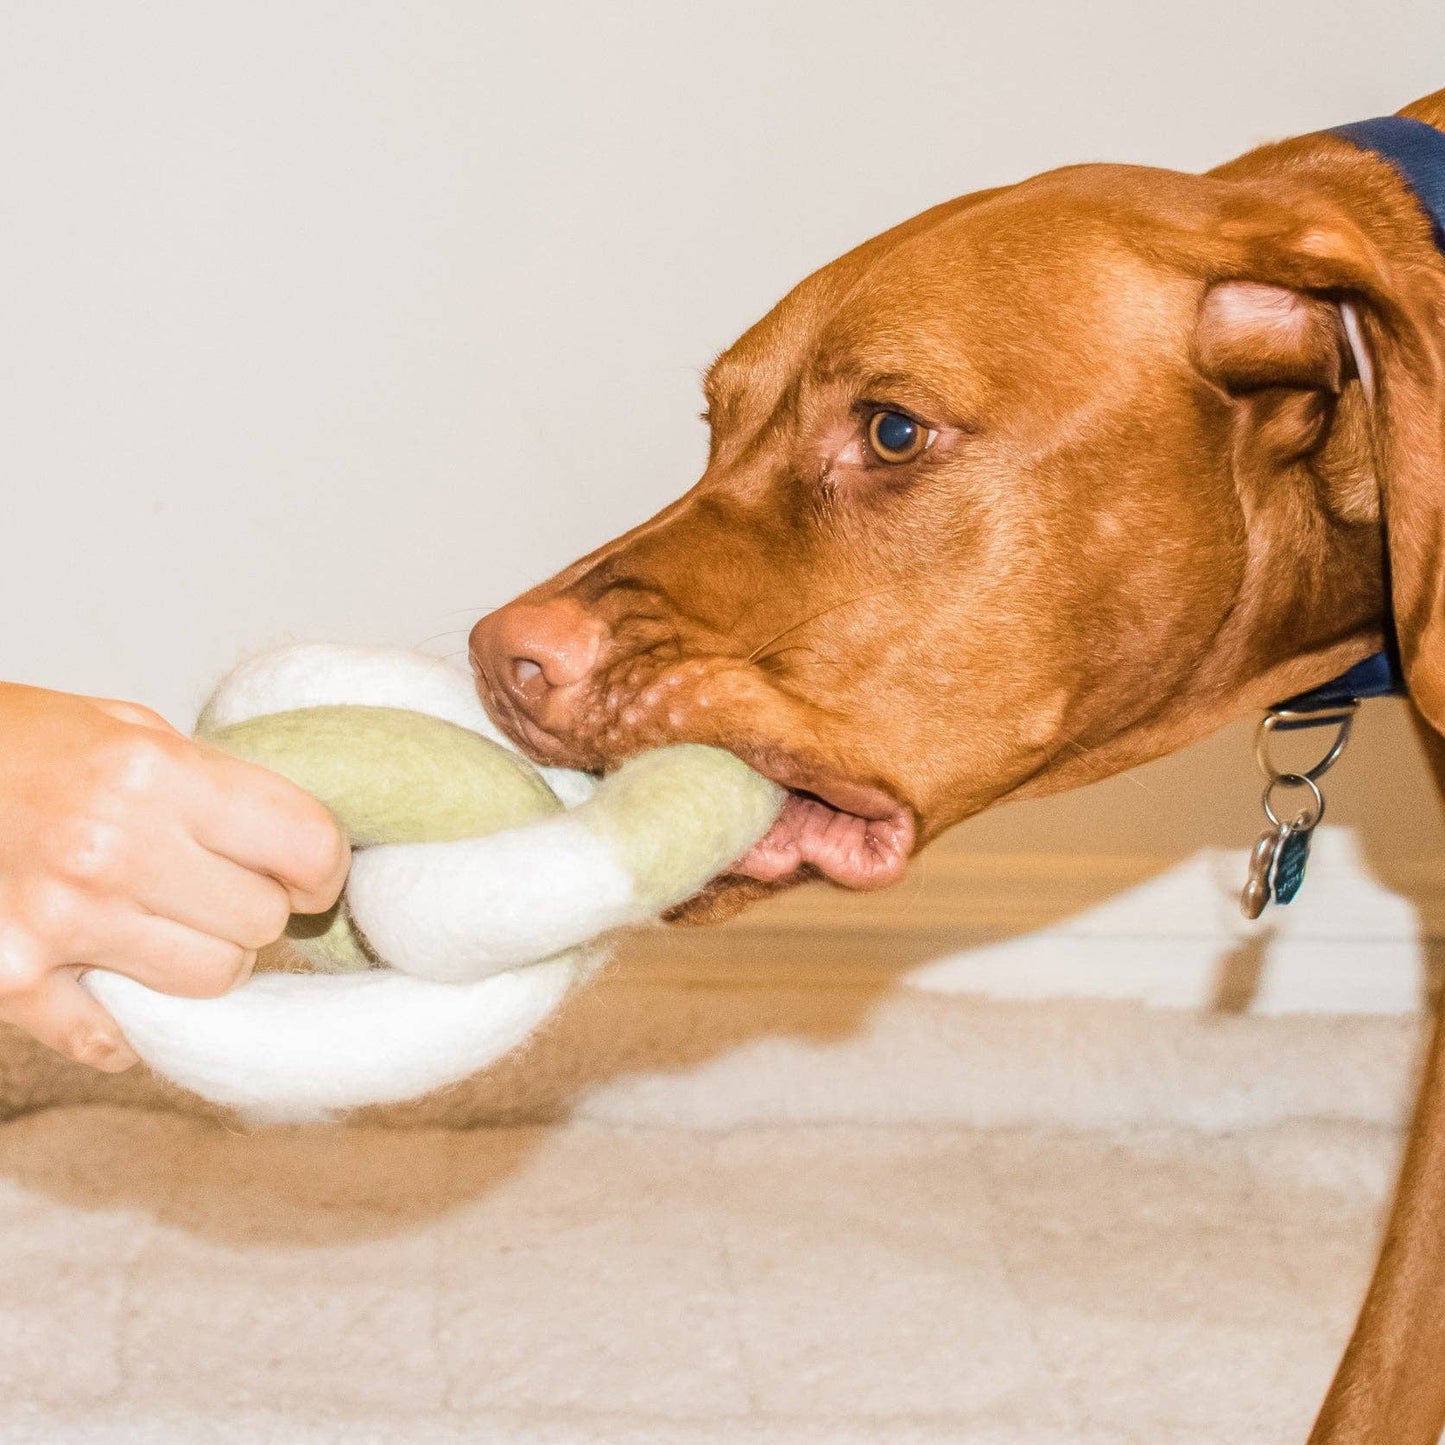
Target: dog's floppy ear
{"type": "Point", "coordinates": [1283, 354]}
{"type": "Point", "coordinates": [1303, 304]}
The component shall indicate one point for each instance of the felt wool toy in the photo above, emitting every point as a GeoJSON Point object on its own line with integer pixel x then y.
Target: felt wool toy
{"type": "Point", "coordinates": [478, 891]}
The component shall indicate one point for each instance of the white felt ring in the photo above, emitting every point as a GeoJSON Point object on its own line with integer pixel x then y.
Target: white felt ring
{"type": "Point", "coordinates": [288, 1047]}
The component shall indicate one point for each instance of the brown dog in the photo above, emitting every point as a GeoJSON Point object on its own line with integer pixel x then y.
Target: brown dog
{"type": "Point", "coordinates": [1040, 484]}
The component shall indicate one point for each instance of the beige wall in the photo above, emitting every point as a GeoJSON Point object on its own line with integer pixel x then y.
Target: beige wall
{"type": "Point", "coordinates": [350, 321]}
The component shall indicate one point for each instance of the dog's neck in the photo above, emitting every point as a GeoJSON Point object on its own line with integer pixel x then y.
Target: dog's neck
{"type": "Point", "coordinates": [1383, 205]}
{"type": "Point", "coordinates": [1416, 149]}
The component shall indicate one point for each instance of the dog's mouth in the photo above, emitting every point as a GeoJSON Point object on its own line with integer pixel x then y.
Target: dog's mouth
{"type": "Point", "coordinates": [855, 834]}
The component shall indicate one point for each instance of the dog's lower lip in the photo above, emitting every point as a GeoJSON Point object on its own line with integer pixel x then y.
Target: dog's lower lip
{"type": "Point", "coordinates": [853, 833]}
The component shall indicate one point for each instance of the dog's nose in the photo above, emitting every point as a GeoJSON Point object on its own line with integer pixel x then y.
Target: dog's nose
{"type": "Point", "coordinates": [537, 654]}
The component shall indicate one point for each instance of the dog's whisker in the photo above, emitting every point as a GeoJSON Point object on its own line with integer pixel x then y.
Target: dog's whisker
{"type": "Point", "coordinates": [814, 617]}
{"type": "Point", "coordinates": [477, 610]}
{"type": "Point", "coordinates": [1139, 783]}
{"type": "Point", "coordinates": [436, 636]}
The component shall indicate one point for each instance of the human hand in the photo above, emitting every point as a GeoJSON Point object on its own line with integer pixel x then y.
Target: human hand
{"type": "Point", "coordinates": [126, 846]}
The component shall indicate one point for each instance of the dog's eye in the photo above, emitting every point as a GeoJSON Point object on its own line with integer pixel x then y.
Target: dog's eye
{"type": "Point", "coordinates": [896, 437]}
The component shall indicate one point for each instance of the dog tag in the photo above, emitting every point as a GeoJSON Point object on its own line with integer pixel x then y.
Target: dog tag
{"type": "Point", "coordinates": [1290, 858]}
{"type": "Point", "coordinates": [1261, 866]}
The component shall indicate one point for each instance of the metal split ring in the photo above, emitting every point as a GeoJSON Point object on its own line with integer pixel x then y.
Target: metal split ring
{"type": "Point", "coordinates": [1304, 820]}
{"type": "Point", "coordinates": [1342, 719]}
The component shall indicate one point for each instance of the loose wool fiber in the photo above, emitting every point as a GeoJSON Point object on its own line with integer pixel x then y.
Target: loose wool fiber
{"type": "Point", "coordinates": [476, 891]}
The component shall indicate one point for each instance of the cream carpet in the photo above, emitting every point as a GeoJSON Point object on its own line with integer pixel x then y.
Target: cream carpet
{"type": "Point", "coordinates": [739, 1214]}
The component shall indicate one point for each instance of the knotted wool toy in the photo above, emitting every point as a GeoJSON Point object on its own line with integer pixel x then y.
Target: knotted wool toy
{"type": "Point", "coordinates": [478, 892]}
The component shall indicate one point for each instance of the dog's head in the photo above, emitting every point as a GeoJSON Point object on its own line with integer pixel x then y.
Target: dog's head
{"type": "Point", "coordinates": [1042, 483]}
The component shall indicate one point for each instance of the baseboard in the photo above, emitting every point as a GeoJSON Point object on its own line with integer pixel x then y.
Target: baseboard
{"type": "Point", "coordinates": [1044, 925]}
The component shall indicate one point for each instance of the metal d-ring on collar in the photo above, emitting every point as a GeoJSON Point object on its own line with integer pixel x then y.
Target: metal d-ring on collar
{"type": "Point", "coordinates": [1287, 719]}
